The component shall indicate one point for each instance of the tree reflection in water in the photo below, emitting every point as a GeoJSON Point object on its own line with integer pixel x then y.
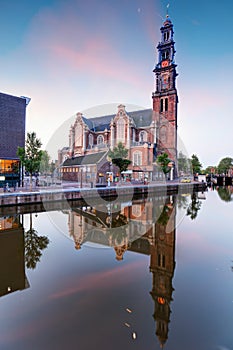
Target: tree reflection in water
{"type": "Point", "coordinates": [33, 244]}
{"type": "Point", "coordinates": [225, 193]}
{"type": "Point", "coordinates": [193, 207]}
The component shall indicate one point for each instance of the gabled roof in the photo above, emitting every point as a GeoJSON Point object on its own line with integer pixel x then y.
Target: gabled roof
{"type": "Point", "coordinates": [85, 160]}
{"type": "Point", "coordinates": [141, 118]}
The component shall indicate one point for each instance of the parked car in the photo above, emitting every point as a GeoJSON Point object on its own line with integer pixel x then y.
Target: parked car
{"type": "Point", "coordinates": [185, 180]}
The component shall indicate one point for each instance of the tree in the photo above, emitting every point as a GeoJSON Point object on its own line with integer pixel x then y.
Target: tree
{"type": "Point", "coordinates": [225, 165]}
{"type": "Point", "coordinates": [193, 207]}
{"type": "Point", "coordinates": [184, 164]}
{"type": "Point", "coordinates": [196, 165]}
{"type": "Point", "coordinates": [119, 157]}
{"type": "Point", "coordinates": [211, 170]}
{"type": "Point", "coordinates": [31, 155]}
{"type": "Point", "coordinates": [163, 161]}
{"type": "Point", "coordinates": [224, 194]}
{"type": "Point", "coordinates": [45, 162]}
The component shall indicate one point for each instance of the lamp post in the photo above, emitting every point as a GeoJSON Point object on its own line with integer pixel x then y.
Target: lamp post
{"type": "Point", "coordinates": [81, 179]}
{"type": "Point", "coordinates": [171, 166]}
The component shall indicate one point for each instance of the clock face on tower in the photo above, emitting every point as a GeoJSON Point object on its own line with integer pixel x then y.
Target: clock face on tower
{"type": "Point", "coordinates": [164, 63]}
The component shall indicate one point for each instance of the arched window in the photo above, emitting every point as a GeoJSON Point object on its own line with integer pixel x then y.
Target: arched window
{"type": "Point", "coordinates": [143, 136]}
{"type": "Point", "coordinates": [137, 158]}
{"type": "Point", "coordinates": [78, 135]}
{"type": "Point", "coordinates": [90, 140]}
{"type": "Point", "coordinates": [136, 210]}
{"type": "Point", "coordinates": [133, 135]}
{"type": "Point", "coordinates": [121, 130]}
{"type": "Point", "coordinates": [100, 140]}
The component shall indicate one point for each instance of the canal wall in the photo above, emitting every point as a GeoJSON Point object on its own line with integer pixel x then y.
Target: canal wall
{"type": "Point", "coordinates": [47, 197]}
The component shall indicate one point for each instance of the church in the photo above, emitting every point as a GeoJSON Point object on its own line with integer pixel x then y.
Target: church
{"type": "Point", "coordinates": [144, 133]}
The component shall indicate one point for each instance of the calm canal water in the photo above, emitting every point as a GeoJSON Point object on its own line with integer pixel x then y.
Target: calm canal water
{"type": "Point", "coordinates": [122, 275]}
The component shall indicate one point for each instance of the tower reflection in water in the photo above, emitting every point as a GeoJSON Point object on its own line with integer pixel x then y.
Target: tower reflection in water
{"type": "Point", "coordinates": [142, 226]}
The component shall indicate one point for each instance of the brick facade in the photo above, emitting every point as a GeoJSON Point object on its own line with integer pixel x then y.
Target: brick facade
{"type": "Point", "coordinates": [145, 133]}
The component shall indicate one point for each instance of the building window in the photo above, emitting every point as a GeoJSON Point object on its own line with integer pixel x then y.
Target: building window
{"type": "Point", "coordinates": [161, 105]}
{"type": "Point", "coordinates": [164, 104]}
{"type": "Point", "coordinates": [137, 158]}
{"type": "Point", "coordinates": [165, 55]}
{"type": "Point", "coordinates": [166, 36]}
{"type": "Point", "coordinates": [161, 260]}
{"type": "Point", "coordinates": [143, 136]}
{"type": "Point", "coordinates": [90, 140]}
{"type": "Point", "coordinates": [78, 135]}
{"type": "Point", "coordinates": [100, 140]}
{"type": "Point", "coordinates": [121, 130]}
{"type": "Point", "coordinates": [136, 210]}
{"type": "Point", "coordinates": [9, 166]}
{"type": "Point", "coordinates": [133, 135]}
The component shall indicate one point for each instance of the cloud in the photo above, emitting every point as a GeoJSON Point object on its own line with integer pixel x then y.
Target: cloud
{"type": "Point", "coordinates": [100, 280]}
{"type": "Point", "coordinates": [68, 42]}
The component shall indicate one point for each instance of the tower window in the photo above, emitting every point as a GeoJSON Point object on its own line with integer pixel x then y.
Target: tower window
{"type": "Point", "coordinates": [165, 55]}
{"type": "Point", "coordinates": [161, 260]}
{"type": "Point", "coordinates": [166, 36]}
{"type": "Point", "coordinates": [161, 105]}
{"type": "Point", "coordinates": [164, 104]}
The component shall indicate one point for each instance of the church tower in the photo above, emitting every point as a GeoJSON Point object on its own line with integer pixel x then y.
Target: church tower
{"type": "Point", "coordinates": [165, 97]}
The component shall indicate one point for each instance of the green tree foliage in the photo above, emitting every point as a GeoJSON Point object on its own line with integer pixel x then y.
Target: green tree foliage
{"type": "Point", "coordinates": [184, 164]}
{"type": "Point", "coordinates": [163, 161]}
{"type": "Point", "coordinates": [196, 165]}
{"type": "Point", "coordinates": [225, 194]}
{"type": "Point", "coordinates": [31, 155]}
{"type": "Point", "coordinates": [210, 170]}
{"type": "Point", "coordinates": [225, 165]}
{"type": "Point", "coordinates": [45, 163]}
{"type": "Point", "coordinates": [119, 156]}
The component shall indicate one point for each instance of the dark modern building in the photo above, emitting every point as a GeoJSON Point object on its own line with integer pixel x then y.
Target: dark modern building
{"type": "Point", "coordinates": [12, 135]}
{"type": "Point", "coordinates": [12, 256]}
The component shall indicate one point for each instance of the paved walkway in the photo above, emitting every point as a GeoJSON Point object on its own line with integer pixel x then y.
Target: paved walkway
{"type": "Point", "coordinates": [76, 185]}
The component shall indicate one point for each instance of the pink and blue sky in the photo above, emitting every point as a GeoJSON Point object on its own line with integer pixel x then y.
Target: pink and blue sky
{"type": "Point", "coordinates": [72, 55]}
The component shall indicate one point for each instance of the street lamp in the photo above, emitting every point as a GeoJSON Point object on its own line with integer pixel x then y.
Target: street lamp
{"type": "Point", "coordinates": [81, 179]}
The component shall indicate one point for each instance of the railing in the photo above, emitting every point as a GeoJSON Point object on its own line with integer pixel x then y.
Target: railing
{"type": "Point", "coordinates": [99, 146]}
{"type": "Point", "coordinates": [138, 143]}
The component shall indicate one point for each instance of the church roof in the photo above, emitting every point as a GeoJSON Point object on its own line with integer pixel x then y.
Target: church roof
{"type": "Point", "coordinates": [85, 160]}
{"type": "Point", "coordinates": [141, 118]}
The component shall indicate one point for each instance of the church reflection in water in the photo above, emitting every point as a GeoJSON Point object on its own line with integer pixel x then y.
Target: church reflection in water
{"type": "Point", "coordinates": [143, 226]}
